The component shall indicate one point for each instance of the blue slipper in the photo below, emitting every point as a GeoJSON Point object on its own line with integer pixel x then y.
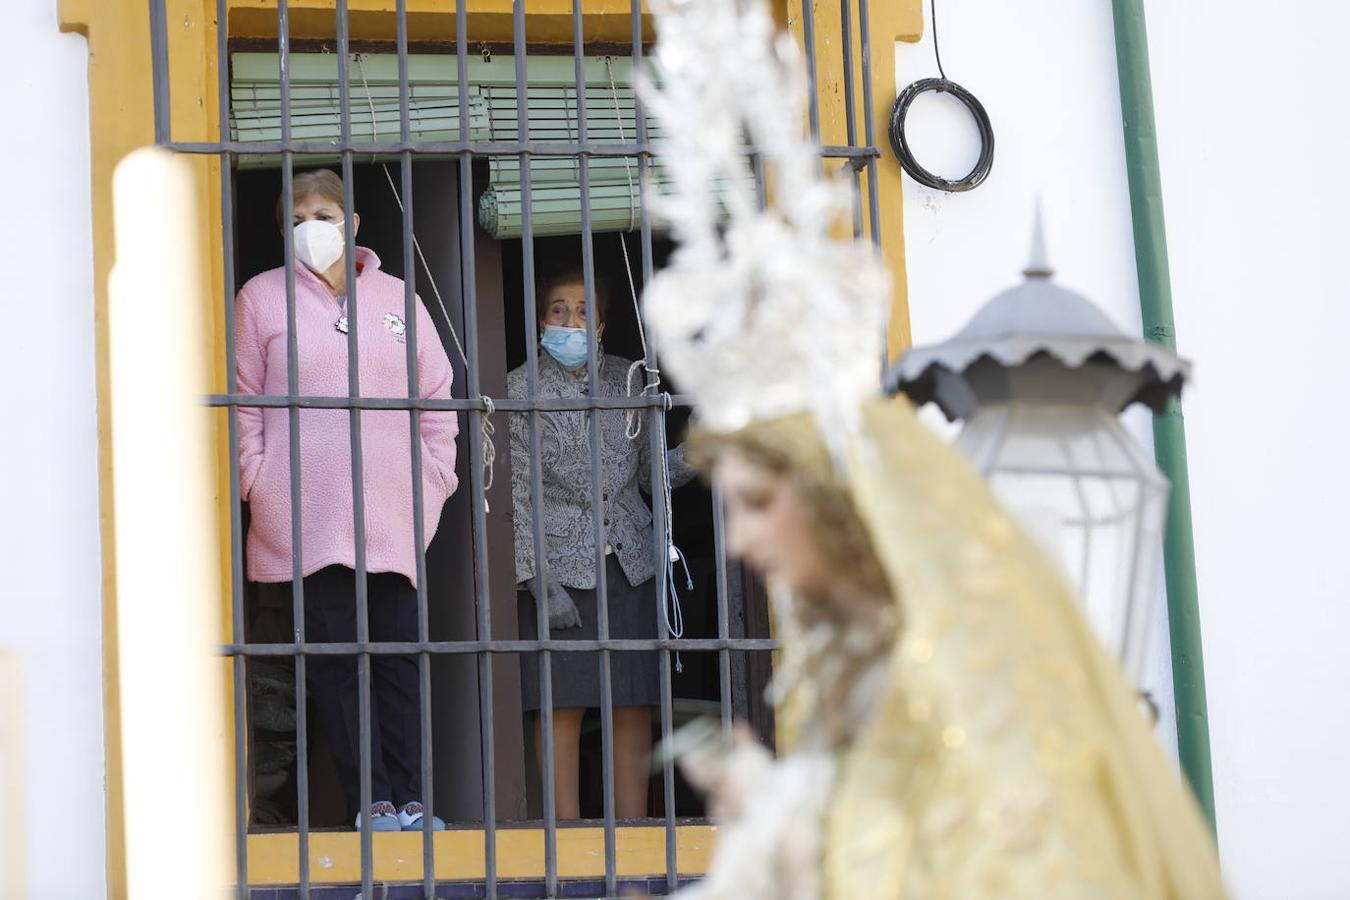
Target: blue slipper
{"type": "Point", "coordinates": [383, 817]}
{"type": "Point", "coordinates": [410, 817]}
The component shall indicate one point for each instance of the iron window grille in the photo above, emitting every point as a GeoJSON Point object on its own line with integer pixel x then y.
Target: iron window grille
{"type": "Point", "coordinates": [474, 406]}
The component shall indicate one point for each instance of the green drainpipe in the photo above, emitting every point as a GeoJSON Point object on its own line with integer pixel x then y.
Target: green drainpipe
{"type": "Point", "coordinates": [1169, 430]}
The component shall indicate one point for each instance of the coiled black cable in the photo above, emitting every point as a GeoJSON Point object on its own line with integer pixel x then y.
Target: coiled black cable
{"type": "Point", "coordinates": [941, 85]}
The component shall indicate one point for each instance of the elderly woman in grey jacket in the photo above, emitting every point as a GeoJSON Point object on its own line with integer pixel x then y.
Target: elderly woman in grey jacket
{"type": "Point", "coordinates": [565, 463]}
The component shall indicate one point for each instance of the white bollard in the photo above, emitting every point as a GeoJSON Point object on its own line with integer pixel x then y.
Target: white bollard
{"type": "Point", "coordinates": [177, 814]}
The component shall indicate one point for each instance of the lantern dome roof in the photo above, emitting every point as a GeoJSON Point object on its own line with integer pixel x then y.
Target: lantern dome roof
{"type": "Point", "coordinates": [1037, 324]}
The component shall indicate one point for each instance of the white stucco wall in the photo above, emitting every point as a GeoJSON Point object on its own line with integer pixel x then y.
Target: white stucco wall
{"type": "Point", "coordinates": [50, 603]}
{"type": "Point", "coordinates": [1256, 204]}
{"type": "Point", "coordinates": [1255, 218]}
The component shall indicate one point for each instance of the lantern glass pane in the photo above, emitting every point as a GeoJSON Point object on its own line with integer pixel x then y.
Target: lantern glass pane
{"type": "Point", "coordinates": [1090, 496]}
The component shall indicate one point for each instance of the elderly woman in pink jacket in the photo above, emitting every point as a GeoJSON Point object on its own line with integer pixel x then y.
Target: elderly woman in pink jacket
{"type": "Point", "coordinates": [327, 525]}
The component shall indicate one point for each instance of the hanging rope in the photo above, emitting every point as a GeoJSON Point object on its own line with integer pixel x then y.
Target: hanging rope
{"type": "Point", "coordinates": [486, 428]}
{"type": "Point", "coordinates": [489, 432]}
{"type": "Point", "coordinates": [937, 52]}
{"type": "Point", "coordinates": [941, 85]}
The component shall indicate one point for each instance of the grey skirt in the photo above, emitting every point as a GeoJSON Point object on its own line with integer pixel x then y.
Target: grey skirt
{"type": "Point", "coordinates": [634, 678]}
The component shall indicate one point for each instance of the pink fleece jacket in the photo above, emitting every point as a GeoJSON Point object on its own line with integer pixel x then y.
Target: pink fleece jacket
{"type": "Point", "coordinates": [327, 525]}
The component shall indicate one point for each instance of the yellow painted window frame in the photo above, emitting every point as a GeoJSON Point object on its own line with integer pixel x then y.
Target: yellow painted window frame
{"type": "Point", "coordinates": [121, 120]}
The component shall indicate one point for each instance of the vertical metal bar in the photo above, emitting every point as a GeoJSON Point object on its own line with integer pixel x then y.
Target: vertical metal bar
{"type": "Point", "coordinates": [869, 121]}
{"type": "Point", "coordinates": [238, 664]}
{"type": "Point", "coordinates": [549, 776]}
{"type": "Point", "coordinates": [159, 65]}
{"type": "Point", "coordinates": [723, 613]}
{"type": "Point", "coordinates": [850, 106]}
{"type": "Point", "coordinates": [657, 449]}
{"type": "Point", "coordinates": [478, 495]}
{"type": "Point", "coordinates": [657, 437]}
{"type": "Point", "coordinates": [410, 317]}
{"type": "Point", "coordinates": [293, 421]}
{"type": "Point", "coordinates": [358, 475]}
{"type": "Point", "coordinates": [640, 130]}
{"type": "Point", "coordinates": [809, 37]}
{"type": "Point", "coordinates": [599, 523]}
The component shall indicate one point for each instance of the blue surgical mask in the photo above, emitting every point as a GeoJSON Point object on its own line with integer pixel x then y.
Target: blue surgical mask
{"type": "Point", "coordinates": [566, 345]}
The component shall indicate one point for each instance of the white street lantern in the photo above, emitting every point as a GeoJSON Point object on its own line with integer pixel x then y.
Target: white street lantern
{"type": "Point", "coordinates": [1039, 376]}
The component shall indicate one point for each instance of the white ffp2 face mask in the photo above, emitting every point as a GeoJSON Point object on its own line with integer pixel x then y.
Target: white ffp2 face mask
{"type": "Point", "coordinates": [317, 244]}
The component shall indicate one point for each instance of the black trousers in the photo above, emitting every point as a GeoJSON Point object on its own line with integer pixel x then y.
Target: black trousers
{"type": "Point", "coordinates": [395, 695]}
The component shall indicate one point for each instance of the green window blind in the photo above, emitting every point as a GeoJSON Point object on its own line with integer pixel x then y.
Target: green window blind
{"type": "Point", "coordinates": [433, 104]}
{"type": "Point", "coordinates": [434, 115]}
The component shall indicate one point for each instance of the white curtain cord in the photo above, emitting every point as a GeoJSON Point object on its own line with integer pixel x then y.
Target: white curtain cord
{"type": "Point", "coordinates": [672, 612]}
{"type": "Point", "coordinates": [632, 417]}
{"type": "Point", "coordinates": [623, 138]}
{"type": "Point", "coordinates": [489, 431]}
{"type": "Point", "coordinates": [417, 245]}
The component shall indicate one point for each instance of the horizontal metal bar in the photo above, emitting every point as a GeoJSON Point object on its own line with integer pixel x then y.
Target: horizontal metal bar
{"type": "Point", "coordinates": [562, 404]}
{"type": "Point", "coordinates": [455, 148]}
{"type": "Point", "coordinates": [445, 148]}
{"type": "Point", "coordinates": [408, 648]}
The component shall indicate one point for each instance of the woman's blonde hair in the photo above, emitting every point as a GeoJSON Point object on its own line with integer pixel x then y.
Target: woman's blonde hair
{"type": "Point", "coordinates": [323, 183]}
{"type": "Point", "coordinates": [792, 448]}
{"type": "Point", "coordinates": [812, 680]}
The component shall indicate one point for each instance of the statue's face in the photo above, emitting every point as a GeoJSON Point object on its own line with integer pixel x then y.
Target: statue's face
{"type": "Point", "coordinates": [769, 526]}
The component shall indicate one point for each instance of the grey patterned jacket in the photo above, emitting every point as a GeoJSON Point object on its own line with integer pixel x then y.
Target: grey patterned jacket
{"type": "Point", "coordinates": [565, 460]}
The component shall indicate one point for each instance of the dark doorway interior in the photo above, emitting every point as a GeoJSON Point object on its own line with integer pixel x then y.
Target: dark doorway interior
{"type": "Point", "coordinates": [456, 694]}
{"type": "Point", "coordinates": [696, 688]}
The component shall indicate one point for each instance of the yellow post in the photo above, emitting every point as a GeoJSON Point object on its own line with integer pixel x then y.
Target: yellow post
{"type": "Point", "coordinates": [889, 21]}
{"type": "Point", "coordinates": [120, 121]}
{"type": "Point", "coordinates": [176, 810]}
